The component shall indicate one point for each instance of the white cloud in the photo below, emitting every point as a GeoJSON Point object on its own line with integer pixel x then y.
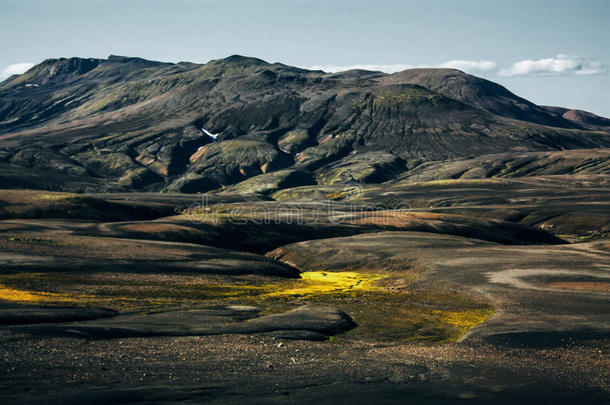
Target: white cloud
{"type": "Point", "coordinates": [16, 69]}
{"type": "Point", "coordinates": [559, 65]}
{"type": "Point", "coordinates": [470, 65]}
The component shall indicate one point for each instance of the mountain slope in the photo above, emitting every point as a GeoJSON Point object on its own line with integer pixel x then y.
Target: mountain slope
{"type": "Point", "coordinates": [480, 93]}
{"type": "Point", "coordinates": [582, 118]}
{"type": "Point", "coordinates": [130, 124]}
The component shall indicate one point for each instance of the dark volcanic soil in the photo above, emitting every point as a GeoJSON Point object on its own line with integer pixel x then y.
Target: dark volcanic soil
{"type": "Point", "coordinates": [250, 369]}
{"type": "Point", "coordinates": [445, 292]}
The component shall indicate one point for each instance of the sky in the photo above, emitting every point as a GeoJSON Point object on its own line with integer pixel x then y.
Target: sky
{"type": "Point", "coordinates": [552, 52]}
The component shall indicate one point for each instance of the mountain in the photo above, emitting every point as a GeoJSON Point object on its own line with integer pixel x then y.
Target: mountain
{"type": "Point", "coordinates": [581, 118]}
{"type": "Point", "coordinates": [124, 123]}
{"type": "Point", "coordinates": [481, 93]}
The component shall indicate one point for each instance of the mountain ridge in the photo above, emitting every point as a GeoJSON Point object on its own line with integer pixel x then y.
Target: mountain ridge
{"type": "Point", "coordinates": [136, 124]}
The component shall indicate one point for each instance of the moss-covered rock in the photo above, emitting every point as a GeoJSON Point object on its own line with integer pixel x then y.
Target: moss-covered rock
{"type": "Point", "coordinates": [229, 162]}
{"type": "Point", "coordinates": [317, 193]}
{"type": "Point", "coordinates": [370, 167]}
{"type": "Point", "coordinates": [294, 141]}
{"type": "Point", "coordinates": [330, 148]}
{"type": "Point", "coordinates": [107, 163]}
{"type": "Point", "coordinates": [270, 182]}
{"type": "Point", "coordinates": [48, 159]}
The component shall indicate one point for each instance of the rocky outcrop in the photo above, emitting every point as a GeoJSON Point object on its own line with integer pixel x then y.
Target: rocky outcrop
{"type": "Point", "coordinates": [305, 322]}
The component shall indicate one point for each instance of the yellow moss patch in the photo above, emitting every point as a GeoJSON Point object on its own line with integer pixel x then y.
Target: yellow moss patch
{"type": "Point", "coordinates": [30, 295]}
{"type": "Point", "coordinates": [408, 315]}
{"type": "Point", "coordinates": [40, 297]}
{"type": "Point", "coordinates": [11, 294]}
{"type": "Point", "coordinates": [315, 283]}
{"type": "Point", "coordinates": [334, 196]}
{"type": "Point", "coordinates": [321, 282]}
{"type": "Point", "coordinates": [57, 196]}
{"type": "Point", "coordinates": [465, 320]}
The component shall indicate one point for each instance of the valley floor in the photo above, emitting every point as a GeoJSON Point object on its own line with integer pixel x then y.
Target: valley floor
{"type": "Point", "coordinates": [441, 292]}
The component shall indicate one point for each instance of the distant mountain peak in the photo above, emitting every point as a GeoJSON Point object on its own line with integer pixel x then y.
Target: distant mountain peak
{"type": "Point", "coordinates": [134, 60]}
{"type": "Point", "coordinates": [240, 59]}
{"type": "Point", "coordinates": [49, 69]}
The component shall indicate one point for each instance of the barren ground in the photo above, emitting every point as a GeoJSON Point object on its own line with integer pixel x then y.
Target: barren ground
{"type": "Point", "coordinates": [454, 291]}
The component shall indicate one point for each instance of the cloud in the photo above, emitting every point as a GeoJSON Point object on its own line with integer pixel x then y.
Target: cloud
{"type": "Point", "coordinates": [559, 65]}
{"type": "Point", "coordinates": [16, 69]}
{"type": "Point", "coordinates": [470, 65]}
